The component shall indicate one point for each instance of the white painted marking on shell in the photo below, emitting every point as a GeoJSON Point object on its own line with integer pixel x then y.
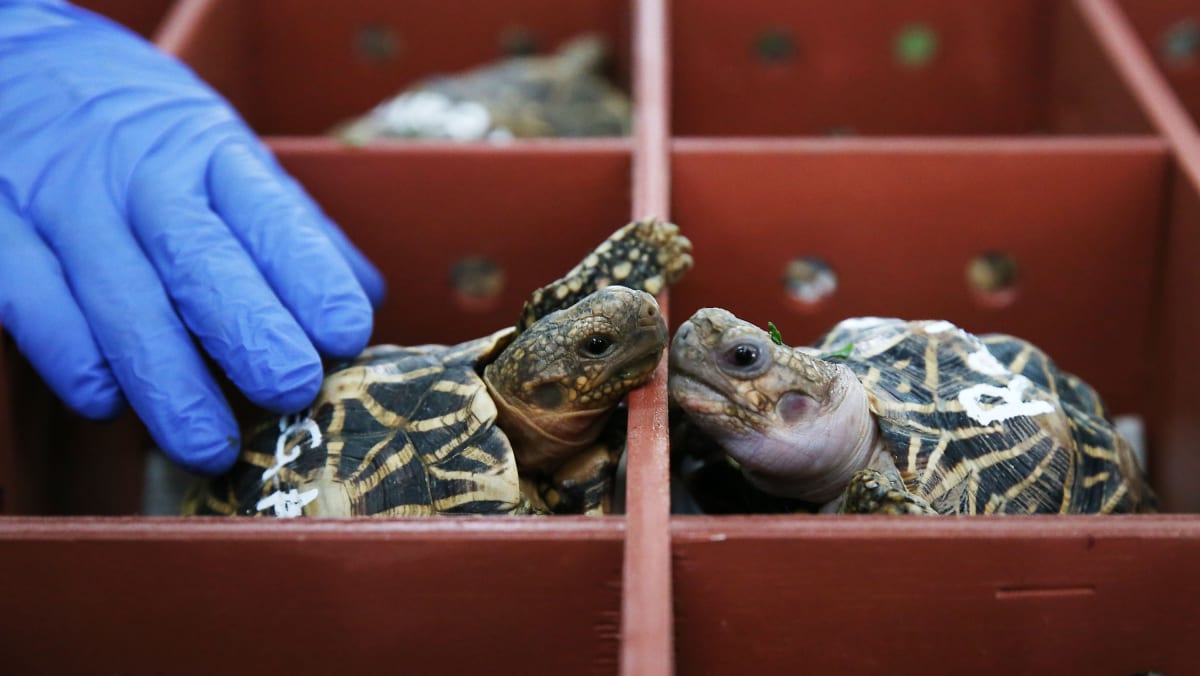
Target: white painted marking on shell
{"type": "Point", "coordinates": [1013, 403]}
{"type": "Point", "coordinates": [287, 428]}
{"type": "Point", "coordinates": [983, 361]}
{"type": "Point", "coordinates": [878, 344]}
{"type": "Point", "coordinates": [432, 114]}
{"type": "Point", "coordinates": [468, 120]}
{"type": "Point", "coordinates": [858, 323]}
{"type": "Point", "coordinates": [287, 505]}
{"type": "Point", "coordinates": [941, 326]}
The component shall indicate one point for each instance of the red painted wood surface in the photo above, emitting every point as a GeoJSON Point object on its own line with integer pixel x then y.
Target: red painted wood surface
{"type": "Point", "coordinates": [879, 595]}
{"type": "Point", "coordinates": [646, 624]}
{"type": "Point", "coordinates": [533, 208]}
{"type": "Point", "coordinates": [141, 16]}
{"type": "Point", "coordinates": [1105, 226]}
{"type": "Point", "coordinates": [161, 596]}
{"type": "Point", "coordinates": [1167, 29]}
{"type": "Point", "coordinates": [997, 67]}
{"type": "Point", "coordinates": [1176, 469]}
{"type": "Point", "coordinates": [1174, 430]}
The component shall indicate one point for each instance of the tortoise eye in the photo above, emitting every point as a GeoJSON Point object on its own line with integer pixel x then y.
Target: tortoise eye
{"type": "Point", "coordinates": [743, 355]}
{"type": "Point", "coordinates": [597, 346]}
{"type": "Point", "coordinates": [744, 360]}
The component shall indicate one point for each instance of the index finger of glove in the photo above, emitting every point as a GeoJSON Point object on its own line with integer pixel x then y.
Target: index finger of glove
{"type": "Point", "coordinates": [285, 238]}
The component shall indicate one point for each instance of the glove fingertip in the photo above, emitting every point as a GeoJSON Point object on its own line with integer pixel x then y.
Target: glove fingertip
{"type": "Point", "coordinates": [292, 391]}
{"type": "Point", "coordinates": [198, 433]}
{"type": "Point", "coordinates": [371, 281]}
{"type": "Point", "coordinates": [97, 399]}
{"type": "Point", "coordinates": [344, 330]}
{"type": "Point", "coordinates": [211, 458]}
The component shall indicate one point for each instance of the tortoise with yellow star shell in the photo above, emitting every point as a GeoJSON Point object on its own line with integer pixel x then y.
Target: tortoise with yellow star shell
{"type": "Point", "coordinates": [896, 417]}
{"type": "Point", "coordinates": [520, 421]}
{"type": "Point", "coordinates": [563, 94]}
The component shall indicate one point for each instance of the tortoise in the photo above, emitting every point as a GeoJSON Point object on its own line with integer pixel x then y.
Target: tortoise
{"type": "Point", "coordinates": [893, 416]}
{"type": "Point", "coordinates": [510, 423]}
{"type": "Point", "coordinates": [562, 95]}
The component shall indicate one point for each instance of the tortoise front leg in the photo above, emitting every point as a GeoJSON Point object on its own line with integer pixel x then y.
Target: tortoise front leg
{"type": "Point", "coordinates": [584, 484]}
{"type": "Point", "coordinates": [646, 255]}
{"type": "Point", "coordinates": [871, 492]}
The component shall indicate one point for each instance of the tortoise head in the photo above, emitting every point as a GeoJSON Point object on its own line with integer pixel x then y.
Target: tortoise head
{"type": "Point", "coordinates": [559, 380]}
{"type": "Point", "coordinates": [798, 426]}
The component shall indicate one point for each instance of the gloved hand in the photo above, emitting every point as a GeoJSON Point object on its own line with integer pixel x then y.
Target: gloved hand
{"type": "Point", "coordinates": [137, 211]}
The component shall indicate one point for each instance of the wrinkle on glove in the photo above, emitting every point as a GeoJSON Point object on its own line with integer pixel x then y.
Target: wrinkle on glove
{"type": "Point", "coordinates": [139, 217]}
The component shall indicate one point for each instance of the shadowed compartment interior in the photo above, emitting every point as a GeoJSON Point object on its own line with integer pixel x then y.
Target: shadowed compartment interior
{"type": "Point", "coordinates": [143, 17]}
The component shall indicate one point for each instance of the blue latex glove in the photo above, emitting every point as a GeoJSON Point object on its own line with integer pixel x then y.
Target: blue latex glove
{"type": "Point", "coordinates": [141, 219]}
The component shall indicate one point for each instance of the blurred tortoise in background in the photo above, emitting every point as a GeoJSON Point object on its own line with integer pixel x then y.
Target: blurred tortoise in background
{"type": "Point", "coordinates": [559, 95]}
{"type": "Point", "coordinates": [515, 422]}
{"type": "Point", "coordinates": [898, 417]}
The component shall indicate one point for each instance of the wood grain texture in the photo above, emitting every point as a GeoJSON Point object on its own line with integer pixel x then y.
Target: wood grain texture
{"type": "Point", "coordinates": [868, 595]}
{"type": "Point", "coordinates": [646, 627]}
{"type": "Point", "coordinates": [147, 596]}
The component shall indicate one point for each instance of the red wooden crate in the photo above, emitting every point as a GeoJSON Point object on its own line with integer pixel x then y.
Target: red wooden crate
{"type": "Point", "coordinates": [1050, 131]}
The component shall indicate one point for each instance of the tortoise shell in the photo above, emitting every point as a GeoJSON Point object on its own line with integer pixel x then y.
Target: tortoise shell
{"type": "Point", "coordinates": [399, 431]}
{"type": "Point", "coordinates": [558, 95]}
{"type": "Point", "coordinates": [988, 424]}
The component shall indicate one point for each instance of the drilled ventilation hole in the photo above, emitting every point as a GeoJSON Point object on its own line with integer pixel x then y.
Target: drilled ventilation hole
{"type": "Point", "coordinates": [518, 41]}
{"type": "Point", "coordinates": [809, 281]}
{"type": "Point", "coordinates": [916, 45]}
{"type": "Point", "coordinates": [376, 43]}
{"type": "Point", "coordinates": [477, 281]}
{"type": "Point", "coordinates": [1181, 43]}
{"type": "Point", "coordinates": [992, 276]}
{"type": "Point", "coordinates": [775, 45]}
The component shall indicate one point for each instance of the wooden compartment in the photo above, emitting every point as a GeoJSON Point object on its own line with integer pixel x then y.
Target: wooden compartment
{"type": "Point", "coordinates": [144, 17]}
{"type": "Point", "coordinates": [885, 595]}
{"type": "Point", "coordinates": [1170, 34]}
{"type": "Point", "coordinates": [1058, 145]}
{"type": "Point", "coordinates": [921, 67]}
{"type": "Point", "coordinates": [533, 210]}
{"type": "Point", "coordinates": [899, 223]}
{"type": "Point", "coordinates": [163, 596]}
{"type": "Point", "coordinates": [300, 68]}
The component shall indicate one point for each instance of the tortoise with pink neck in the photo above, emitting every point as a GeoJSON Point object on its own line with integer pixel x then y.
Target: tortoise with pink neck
{"type": "Point", "coordinates": [909, 418]}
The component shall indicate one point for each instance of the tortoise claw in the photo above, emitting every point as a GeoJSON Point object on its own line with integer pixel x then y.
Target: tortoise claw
{"type": "Point", "coordinates": [870, 492]}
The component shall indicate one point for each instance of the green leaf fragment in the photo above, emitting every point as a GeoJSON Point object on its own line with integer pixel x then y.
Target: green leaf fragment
{"type": "Point", "coordinates": [776, 337]}
{"type": "Point", "coordinates": [843, 353]}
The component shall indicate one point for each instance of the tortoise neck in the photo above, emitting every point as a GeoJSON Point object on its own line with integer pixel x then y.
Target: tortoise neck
{"type": "Point", "coordinates": [814, 459]}
{"type": "Point", "coordinates": [543, 440]}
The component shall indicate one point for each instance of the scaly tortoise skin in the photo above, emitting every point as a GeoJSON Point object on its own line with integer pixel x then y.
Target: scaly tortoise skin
{"type": "Point", "coordinates": [511, 423]}
{"type": "Point", "coordinates": [920, 417]}
{"type": "Point", "coordinates": [558, 95]}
